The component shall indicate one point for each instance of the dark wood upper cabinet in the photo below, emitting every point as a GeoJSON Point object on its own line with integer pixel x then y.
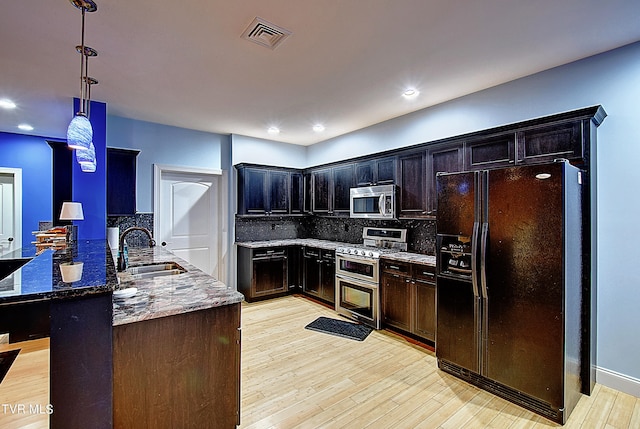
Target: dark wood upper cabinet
{"type": "Point", "coordinates": [548, 143]}
{"type": "Point", "coordinates": [447, 159]}
{"type": "Point", "coordinates": [308, 192]}
{"type": "Point", "coordinates": [297, 193]}
{"type": "Point", "coordinates": [278, 195]}
{"type": "Point", "coordinates": [121, 181]}
{"type": "Point", "coordinates": [321, 183]}
{"type": "Point", "coordinates": [264, 191]}
{"type": "Point", "coordinates": [253, 184]}
{"type": "Point", "coordinates": [376, 172]}
{"type": "Point", "coordinates": [331, 189]}
{"type": "Point", "coordinates": [342, 184]}
{"type": "Point", "coordinates": [490, 152]}
{"type": "Point", "coordinates": [413, 185]}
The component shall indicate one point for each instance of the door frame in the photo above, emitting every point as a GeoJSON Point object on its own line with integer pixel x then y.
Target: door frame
{"type": "Point", "coordinates": [216, 175]}
{"type": "Point", "coordinates": [17, 203]}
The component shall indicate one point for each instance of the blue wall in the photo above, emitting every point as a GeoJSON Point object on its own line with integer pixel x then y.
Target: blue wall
{"type": "Point", "coordinates": [260, 151]}
{"type": "Point", "coordinates": [33, 155]}
{"type": "Point", "coordinates": [611, 79]}
{"type": "Point", "coordinates": [163, 144]}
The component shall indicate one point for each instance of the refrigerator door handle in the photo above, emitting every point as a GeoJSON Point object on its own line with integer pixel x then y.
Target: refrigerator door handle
{"type": "Point", "coordinates": [474, 259]}
{"type": "Point", "coordinates": [483, 260]}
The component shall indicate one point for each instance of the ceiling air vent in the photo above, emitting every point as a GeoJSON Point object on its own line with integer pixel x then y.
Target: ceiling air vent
{"type": "Point", "coordinates": [265, 33]}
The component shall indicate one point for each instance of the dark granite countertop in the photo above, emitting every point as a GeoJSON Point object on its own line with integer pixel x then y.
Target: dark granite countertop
{"type": "Point", "coordinates": [168, 295]}
{"type": "Point", "coordinates": [308, 242]}
{"type": "Point", "coordinates": [414, 258]}
{"type": "Point", "coordinates": [42, 277]}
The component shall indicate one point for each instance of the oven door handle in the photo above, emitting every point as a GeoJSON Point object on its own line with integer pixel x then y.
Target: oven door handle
{"type": "Point", "coordinates": [358, 282]}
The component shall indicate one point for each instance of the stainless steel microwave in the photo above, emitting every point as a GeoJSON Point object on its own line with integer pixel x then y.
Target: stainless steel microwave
{"type": "Point", "coordinates": [373, 202]}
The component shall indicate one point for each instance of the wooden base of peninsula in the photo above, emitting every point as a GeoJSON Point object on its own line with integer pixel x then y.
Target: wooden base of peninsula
{"type": "Point", "coordinates": [178, 371]}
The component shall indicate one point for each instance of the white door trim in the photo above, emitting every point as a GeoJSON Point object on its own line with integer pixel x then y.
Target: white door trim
{"type": "Point", "coordinates": [17, 203]}
{"type": "Point", "coordinates": [159, 170]}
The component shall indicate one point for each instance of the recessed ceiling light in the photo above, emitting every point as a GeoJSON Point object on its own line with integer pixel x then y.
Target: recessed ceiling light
{"type": "Point", "coordinates": [318, 128]}
{"type": "Point", "coordinates": [25, 127]}
{"type": "Point", "coordinates": [7, 104]}
{"type": "Point", "coordinates": [273, 130]}
{"type": "Point", "coordinates": [410, 93]}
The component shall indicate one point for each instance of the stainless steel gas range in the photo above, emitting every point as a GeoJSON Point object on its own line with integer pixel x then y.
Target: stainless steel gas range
{"type": "Point", "coordinates": [357, 273]}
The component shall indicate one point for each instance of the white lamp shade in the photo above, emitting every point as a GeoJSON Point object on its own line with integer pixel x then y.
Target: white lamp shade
{"type": "Point", "coordinates": [71, 272]}
{"type": "Point", "coordinates": [71, 211]}
{"type": "Point", "coordinates": [79, 133]}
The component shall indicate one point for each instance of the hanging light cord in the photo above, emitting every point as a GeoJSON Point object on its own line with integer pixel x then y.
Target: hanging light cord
{"type": "Point", "coordinates": [82, 67]}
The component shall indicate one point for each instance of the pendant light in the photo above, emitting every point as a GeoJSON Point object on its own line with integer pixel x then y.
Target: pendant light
{"type": "Point", "coordinates": [80, 132]}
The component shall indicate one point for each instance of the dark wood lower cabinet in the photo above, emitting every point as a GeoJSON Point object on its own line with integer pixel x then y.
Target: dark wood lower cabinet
{"type": "Point", "coordinates": [425, 322]}
{"type": "Point", "coordinates": [396, 301]}
{"type": "Point", "coordinates": [319, 273]}
{"type": "Point", "coordinates": [178, 371]}
{"type": "Point", "coordinates": [262, 273]}
{"type": "Point", "coordinates": [408, 295]}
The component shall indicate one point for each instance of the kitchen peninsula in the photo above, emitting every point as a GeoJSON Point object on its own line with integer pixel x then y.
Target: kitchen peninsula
{"type": "Point", "coordinates": [169, 353]}
{"type": "Point", "coordinates": [36, 302]}
{"type": "Point", "coordinates": [176, 348]}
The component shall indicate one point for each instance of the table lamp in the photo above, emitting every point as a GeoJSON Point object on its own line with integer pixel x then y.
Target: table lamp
{"type": "Point", "coordinates": [72, 211]}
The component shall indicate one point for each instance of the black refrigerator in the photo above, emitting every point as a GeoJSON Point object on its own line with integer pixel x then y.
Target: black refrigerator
{"type": "Point", "coordinates": [509, 283]}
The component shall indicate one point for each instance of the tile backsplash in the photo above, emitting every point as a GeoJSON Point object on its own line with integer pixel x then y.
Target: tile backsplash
{"type": "Point", "coordinates": [135, 238]}
{"type": "Point", "coordinates": [421, 233]}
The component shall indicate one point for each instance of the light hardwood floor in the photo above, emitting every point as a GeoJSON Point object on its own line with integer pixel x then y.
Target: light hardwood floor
{"type": "Point", "coordinates": [297, 378]}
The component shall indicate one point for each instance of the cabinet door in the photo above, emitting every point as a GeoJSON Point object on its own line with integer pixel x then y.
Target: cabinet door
{"type": "Point", "coordinates": [328, 276]}
{"type": "Point", "coordinates": [413, 188]}
{"type": "Point", "coordinates": [321, 181]}
{"type": "Point", "coordinates": [385, 172]}
{"type": "Point", "coordinates": [254, 187]}
{"type": "Point", "coordinates": [396, 301]}
{"type": "Point", "coordinates": [376, 172]}
{"type": "Point", "coordinates": [497, 151]}
{"type": "Point", "coordinates": [364, 173]}
{"type": "Point", "coordinates": [278, 185]}
{"type": "Point", "coordinates": [121, 181]}
{"type": "Point", "coordinates": [445, 160]}
{"type": "Point", "coordinates": [549, 143]}
{"type": "Point", "coordinates": [308, 193]}
{"type": "Point", "coordinates": [312, 271]}
{"type": "Point", "coordinates": [269, 276]}
{"type": "Point", "coordinates": [342, 184]}
{"type": "Point", "coordinates": [297, 193]}
{"type": "Point", "coordinates": [425, 309]}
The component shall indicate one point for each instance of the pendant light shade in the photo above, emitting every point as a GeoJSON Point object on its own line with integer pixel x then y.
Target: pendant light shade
{"type": "Point", "coordinates": [79, 133]}
{"type": "Point", "coordinates": [86, 156]}
{"type": "Point", "coordinates": [88, 168]}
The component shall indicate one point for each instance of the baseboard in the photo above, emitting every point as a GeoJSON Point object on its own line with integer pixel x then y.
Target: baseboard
{"type": "Point", "coordinates": [617, 381]}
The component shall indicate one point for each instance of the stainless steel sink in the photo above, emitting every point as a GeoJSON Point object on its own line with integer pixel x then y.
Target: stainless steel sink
{"type": "Point", "coordinates": [155, 270]}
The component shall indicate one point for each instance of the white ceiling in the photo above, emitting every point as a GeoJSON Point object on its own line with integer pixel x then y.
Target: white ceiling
{"type": "Point", "coordinates": [345, 64]}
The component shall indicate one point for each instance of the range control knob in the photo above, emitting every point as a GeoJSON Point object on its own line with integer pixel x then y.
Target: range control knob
{"type": "Point", "coordinates": [370, 254]}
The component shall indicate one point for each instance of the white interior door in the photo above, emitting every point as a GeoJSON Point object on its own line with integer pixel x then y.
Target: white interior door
{"type": "Point", "coordinates": [10, 209]}
{"type": "Point", "coordinates": [187, 217]}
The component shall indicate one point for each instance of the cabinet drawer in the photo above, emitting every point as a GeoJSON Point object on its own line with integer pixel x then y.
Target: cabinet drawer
{"type": "Point", "coordinates": [269, 252]}
{"type": "Point", "coordinates": [424, 273]}
{"type": "Point", "coordinates": [395, 267]}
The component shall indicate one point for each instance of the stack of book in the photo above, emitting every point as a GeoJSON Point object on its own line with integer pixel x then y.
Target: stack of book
{"type": "Point", "coordinates": [54, 238]}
